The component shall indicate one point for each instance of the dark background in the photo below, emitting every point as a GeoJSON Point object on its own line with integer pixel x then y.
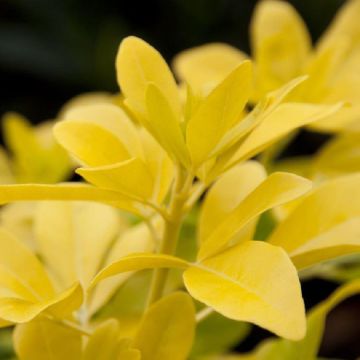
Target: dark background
{"type": "Point", "coordinates": [51, 50]}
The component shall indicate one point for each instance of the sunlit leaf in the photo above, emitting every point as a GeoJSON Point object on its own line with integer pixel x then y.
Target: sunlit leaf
{"type": "Point", "coordinates": [140, 262]}
{"type": "Point", "coordinates": [163, 124]}
{"type": "Point", "coordinates": [139, 64]}
{"type": "Point", "coordinates": [284, 119]}
{"type": "Point", "coordinates": [255, 282]}
{"type": "Point", "coordinates": [308, 347]}
{"type": "Point", "coordinates": [136, 239]}
{"type": "Point", "coordinates": [226, 194]}
{"type": "Point", "coordinates": [65, 191]}
{"type": "Point", "coordinates": [219, 111]}
{"type": "Point", "coordinates": [277, 189]}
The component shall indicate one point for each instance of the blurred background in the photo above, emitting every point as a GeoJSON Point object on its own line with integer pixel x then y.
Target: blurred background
{"type": "Point", "coordinates": [51, 50]}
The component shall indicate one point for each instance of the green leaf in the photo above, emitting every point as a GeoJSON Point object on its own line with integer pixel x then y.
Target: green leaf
{"type": "Point", "coordinates": [216, 334]}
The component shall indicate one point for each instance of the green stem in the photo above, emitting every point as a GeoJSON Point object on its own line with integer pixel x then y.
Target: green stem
{"type": "Point", "coordinates": [171, 231]}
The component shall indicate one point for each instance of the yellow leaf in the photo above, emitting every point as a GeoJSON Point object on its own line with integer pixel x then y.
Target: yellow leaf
{"type": "Point", "coordinates": [36, 157]}
{"type": "Point", "coordinates": [323, 70]}
{"type": "Point", "coordinates": [226, 194]}
{"type": "Point", "coordinates": [25, 288]}
{"type": "Point", "coordinates": [136, 239]}
{"type": "Point", "coordinates": [280, 43]}
{"type": "Point", "coordinates": [90, 143]}
{"type": "Point", "coordinates": [232, 141]}
{"type": "Point", "coordinates": [18, 219]}
{"type": "Point", "coordinates": [20, 310]}
{"type": "Point", "coordinates": [340, 240]}
{"type": "Point", "coordinates": [219, 111]}
{"type": "Point", "coordinates": [21, 273]}
{"type": "Point", "coordinates": [6, 171]}
{"type": "Point", "coordinates": [345, 25]}
{"type": "Point", "coordinates": [163, 124]}
{"type": "Point", "coordinates": [102, 344]}
{"type": "Point", "coordinates": [137, 262]}
{"type": "Point", "coordinates": [338, 156]}
{"type": "Point", "coordinates": [139, 64]}
{"type": "Point", "coordinates": [105, 344]}
{"type": "Point", "coordinates": [205, 66]}
{"type": "Point", "coordinates": [167, 330]}
{"type": "Point", "coordinates": [67, 238]}
{"type": "Point", "coordinates": [65, 191]}
{"type": "Point", "coordinates": [277, 189]}
{"type": "Point", "coordinates": [284, 119]}
{"type": "Point", "coordinates": [159, 165]}
{"type": "Point", "coordinates": [122, 177]}
{"type": "Point", "coordinates": [129, 354]}
{"type": "Point", "coordinates": [322, 215]}
{"type": "Point", "coordinates": [21, 140]}
{"type": "Point", "coordinates": [42, 339]}
{"type": "Point", "coordinates": [112, 119]}
{"type": "Point", "coordinates": [85, 99]}
{"type": "Point", "coordinates": [308, 347]}
{"type": "Point", "coordinates": [253, 281]}
{"type": "Point", "coordinates": [344, 119]}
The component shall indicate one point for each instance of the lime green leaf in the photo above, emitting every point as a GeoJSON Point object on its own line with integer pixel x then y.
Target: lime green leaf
{"type": "Point", "coordinates": [277, 189]}
{"type": "Point", "coordinates": [322, 219]}
{"type": "Point", "coordinates": [42, 339]}
{"type": "Point", "coordinates": [139, 262]}
{"type": "Point", "coordinates": [139, 64]}
{"type": "Point", "coordinates": [219, 111]}
{"type": "Point", "coordinates": [168, 328]}
{"type": "Point", "coordinates": [254, 282]}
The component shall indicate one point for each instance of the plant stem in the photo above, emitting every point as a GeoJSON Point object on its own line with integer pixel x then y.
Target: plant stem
{"type": "Point", "coordinates": [172, 227]}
